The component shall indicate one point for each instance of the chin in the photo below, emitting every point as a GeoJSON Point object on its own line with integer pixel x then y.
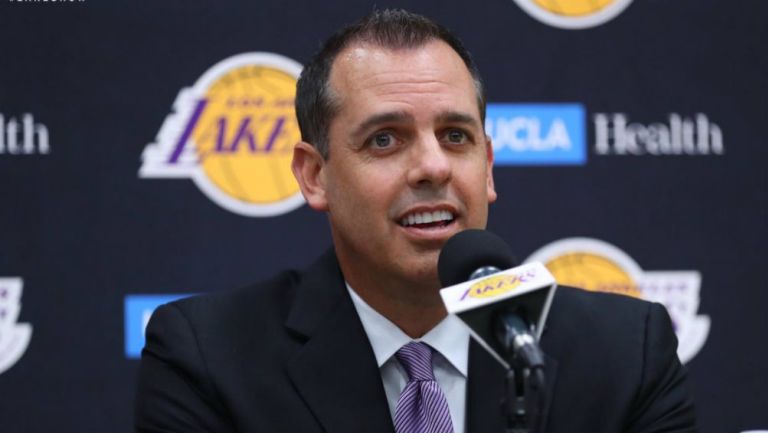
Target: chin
{"type": "Point", "coordinates": [424, 274]}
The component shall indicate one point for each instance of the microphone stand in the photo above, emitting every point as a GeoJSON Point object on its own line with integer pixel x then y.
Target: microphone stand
{"type": "Point", "coordinates": [524, 399]}
{"type": "Point", "coordinates": [525, 381]}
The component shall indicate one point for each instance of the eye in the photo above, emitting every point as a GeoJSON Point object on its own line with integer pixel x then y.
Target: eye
{"type": "Point", "coordinates": [382, 140]}
{"type": "Point", "coordinates": [456, 136]}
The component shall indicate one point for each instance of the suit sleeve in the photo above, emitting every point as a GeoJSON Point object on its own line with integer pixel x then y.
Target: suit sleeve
{"type": "Point", "coordinates": [174, 391]}
{"type": "Point", "coordinates": [663, 403]}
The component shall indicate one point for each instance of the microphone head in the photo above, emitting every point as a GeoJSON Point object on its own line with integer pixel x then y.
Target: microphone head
{"type": "Point", "coordinates": [469, 250]}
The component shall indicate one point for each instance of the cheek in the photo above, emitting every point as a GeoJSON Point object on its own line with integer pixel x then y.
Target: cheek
{"type": "Point", "coordinates": [475, 192]}
{"type": "Point", "coordinates": [359, 196]}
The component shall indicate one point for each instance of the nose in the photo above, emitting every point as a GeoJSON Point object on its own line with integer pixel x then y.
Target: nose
{"type": "Point", "coordinates": [430, 164]}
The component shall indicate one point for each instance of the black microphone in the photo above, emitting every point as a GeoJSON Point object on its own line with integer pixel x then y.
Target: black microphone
{"type": "Point", "coordinates": [504, 306]}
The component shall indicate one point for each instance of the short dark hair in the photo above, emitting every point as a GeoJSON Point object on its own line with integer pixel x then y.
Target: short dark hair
{"type": "Point", "coordinates": [388, 28]}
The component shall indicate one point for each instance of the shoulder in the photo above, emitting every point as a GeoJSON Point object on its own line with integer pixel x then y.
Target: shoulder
{"type": "Point", "coordinates": [589, 309]}
{"type": "Point", "coordinates": [271, 297]}
{"type": "Point", "coordinates": [206, 350]}
{"type": "Point", "coordinates": [620, 327]}
{"type": "Point", "coordinates": [221, 319]}
{"type": "Point", "coordinates": [625, 350]}
{"type": "Point", "coordinates": [215, 325]}
{"type": "Point", "coordinates": [589, 301]}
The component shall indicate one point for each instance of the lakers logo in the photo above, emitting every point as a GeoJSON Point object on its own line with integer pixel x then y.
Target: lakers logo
{"type": "Point", "coordinates": [594, 272]}
{"type": "Point", "coordinates": [573, 14]}
{"type": "Point", "coordinates": [233, 133]}
{"type": "Point", "coordinates": [495, 285]}
{"type": "Point", "coordinates": [595, 265]}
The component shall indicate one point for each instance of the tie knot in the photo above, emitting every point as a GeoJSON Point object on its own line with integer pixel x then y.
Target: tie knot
{"type": "Point", "coordinates": [416, 358]}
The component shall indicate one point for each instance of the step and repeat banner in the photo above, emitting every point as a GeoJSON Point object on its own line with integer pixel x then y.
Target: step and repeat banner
{"type": "Point", "coordinates": [145, 151]}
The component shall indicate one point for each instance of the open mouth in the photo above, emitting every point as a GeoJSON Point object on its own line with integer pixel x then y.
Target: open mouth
{"type": "Point", "coordinates": [428, 220]}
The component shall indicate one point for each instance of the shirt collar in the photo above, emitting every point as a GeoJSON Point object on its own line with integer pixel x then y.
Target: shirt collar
{"type": "Point", "coordinates": [450, 337]}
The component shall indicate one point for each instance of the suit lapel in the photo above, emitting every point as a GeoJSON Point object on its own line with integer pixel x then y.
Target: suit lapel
{"type": "Point", "coordinates": [335, 371]}
{"type": "Point", "coordinates": [485, 391]}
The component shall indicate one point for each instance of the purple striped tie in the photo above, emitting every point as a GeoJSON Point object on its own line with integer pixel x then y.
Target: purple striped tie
{"type": "Point", "coordinates": [422, 407]}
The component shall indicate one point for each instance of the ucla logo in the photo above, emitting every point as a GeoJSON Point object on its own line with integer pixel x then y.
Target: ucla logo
{"type": "Point", "coordinates": [599, 266]}
{"type": "Point", "coordinates": [537, 134]}
{"type": "Point", "coordinates": [573, 14]}
{"type": "Point", "coordinates": [495, 285]}
{"type": "Point", "coordinates": [233, 133]}
{"type": "Point", "coordinates": [14, 336]}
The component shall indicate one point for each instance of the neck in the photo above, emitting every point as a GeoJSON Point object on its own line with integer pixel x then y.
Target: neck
{"type": "Point", "coordinates": [415, 308]}
{"type": "Point", "coordinates": [415, 319]}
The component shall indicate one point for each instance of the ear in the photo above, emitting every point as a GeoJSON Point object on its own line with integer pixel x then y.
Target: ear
{"type": "Point", "coordinates": [307, 166]}
{"type": "Point", "coordinates": [489, 171]}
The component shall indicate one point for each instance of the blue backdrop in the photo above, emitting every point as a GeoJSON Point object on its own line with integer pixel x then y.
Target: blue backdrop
{"type": "Point", "coordinates": [640, 134]}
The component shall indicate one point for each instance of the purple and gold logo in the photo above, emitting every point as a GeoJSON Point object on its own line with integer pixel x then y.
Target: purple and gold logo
{"type": "Point", "coordinates": [595, 265]}
{"type": "Point", "coordinates": [233, 133]}
{"type": "Point", "coordinates": [495, 285]}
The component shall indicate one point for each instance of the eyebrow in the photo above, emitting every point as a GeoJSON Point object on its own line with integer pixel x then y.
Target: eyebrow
{"type": "Point", "coordinates": [402, 116]}
{"type": "Point", "coordinates": [458, 117]}
{"type": "Point", "coordinates": [377, 119]}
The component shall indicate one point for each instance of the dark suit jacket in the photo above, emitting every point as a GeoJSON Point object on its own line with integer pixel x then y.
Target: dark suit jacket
{"type": "Point", "coordinates": [290, 355]}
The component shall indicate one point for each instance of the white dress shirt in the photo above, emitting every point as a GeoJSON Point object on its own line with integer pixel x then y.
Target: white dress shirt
{"type": "Point", "coordinates": [450, 339]}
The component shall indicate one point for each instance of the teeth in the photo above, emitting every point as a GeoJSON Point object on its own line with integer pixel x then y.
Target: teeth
{"type": "Point", "coordinates": [426, 217]}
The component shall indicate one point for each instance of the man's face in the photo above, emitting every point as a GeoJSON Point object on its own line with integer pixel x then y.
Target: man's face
{"type": "Point", "coordinates": [409, 162]}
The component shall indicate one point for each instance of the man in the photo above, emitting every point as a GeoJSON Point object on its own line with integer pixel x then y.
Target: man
{"type": "Point", "coordinates": [391, 112]}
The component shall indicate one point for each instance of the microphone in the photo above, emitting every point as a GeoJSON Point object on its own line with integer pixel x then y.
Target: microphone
{"type": "Point", "coordinates": [505, 307]}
